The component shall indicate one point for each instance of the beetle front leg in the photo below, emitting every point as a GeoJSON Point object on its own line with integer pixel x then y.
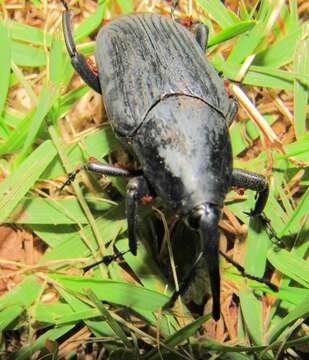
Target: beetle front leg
{"type": "Point", "coordinates": [137, 189]}
{"type": "Point", "coordinates": [78, 60]}
{"type": "Point", "coordinates": [253, 181]}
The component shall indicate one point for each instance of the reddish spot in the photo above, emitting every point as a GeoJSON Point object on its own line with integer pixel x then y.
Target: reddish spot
{"type": "Point", "coordinates": [147, 199]}
{"type": "Point", "coordinates": [130, 141]}
{"type": "Point", "coordinates": [227, 87]}
{"type": "Point", "coordinates": [92, 65]}
{"type": "Point", "coordinates": [106, 21]}
{"type": "Point", "coordinates": [240, 191]}
{"type": "Point", "coordinates": [187, 21]}
{"type": "Point", "coordinates": [92, 159]}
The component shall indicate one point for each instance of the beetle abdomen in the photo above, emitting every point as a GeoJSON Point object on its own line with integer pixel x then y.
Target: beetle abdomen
{"type": "Point", "coordinates": [142, 58]}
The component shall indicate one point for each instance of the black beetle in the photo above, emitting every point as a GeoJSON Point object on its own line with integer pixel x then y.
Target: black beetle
{"type": "Point", "coordinates": [169, 107]}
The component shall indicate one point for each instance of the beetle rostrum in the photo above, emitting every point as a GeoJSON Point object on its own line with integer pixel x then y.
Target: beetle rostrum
{"type": "Point", "coordinates": [170, 109]}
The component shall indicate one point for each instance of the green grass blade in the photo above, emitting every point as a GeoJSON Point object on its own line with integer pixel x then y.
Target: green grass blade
{"type": "Point", "coordinates": [5, 64]}
{"type": "Point", "coordinates": [285, 47]}
{"type": "Point", "coordinates": [97, 144]}
{"type": "Point", "coordinates": [299, 214]}
{"type": "Point", "coordinates": [290, 265]}
{"type": "Point", "coordinates": [47, 97]}
{"type": "Point", "coordinates": [26, 352]}
{"type": "Point", "coordinates": [67, 100]}
{"type": "Point", "coordinates": [300, 311]}
{"type": "Point", "coordinates": [28, 34]}
{"type": "Point", "coordinates": [146, 270]}
{"type": "Point", "coordinates": [13, 303]}
{"type": "Point", "coordinates": [87, 26]}
{"type": "Point", "coordinates": [243, 11]}
{"type": "Point", "coordinates": [109, 319]}
{"type": "Point", "coordinates": [16, 139]}
{"type": "Point", "coordinates": [299, 149]}
{"type": "Point", "coordinates": [48, 211]}
{"type": "Point", "coordinates": [57, 63]}
{"type": "Point", "coordinates": [301, 65]}
{"type": "Point", "coordinates": [26, 55]}
{"type": "Point", "coordinates": [252, 311]}
{"type": "Point", "coordinates": [74, 247]}
{"type": "Point", "coordinates": [60, 314]}
{"type": "Point", "coordinates": [9, 315]}
{"type": "Point", "coordinates": [258, 243]}
{"type": "Point", "coordinates": [14, 187]}
{"type": "Point", "coordinates": [230, 32]}
{"type": "Point", "coordinates": [119, 293]}
{"type": "Point", "coordinates": [219, 12]}
{"type": "Point", "coordinates": [127, 6]}
{"type": "Point", "coordinates": [180, 336]}
{"type": "Point", "coordinates": [246, 44]}
{"type": "Point", "coordinates": [187, 331]}
{"type": "Point", "coordinates": [99, 328]}
{"type": "Point", "coordinates": [259, 75]}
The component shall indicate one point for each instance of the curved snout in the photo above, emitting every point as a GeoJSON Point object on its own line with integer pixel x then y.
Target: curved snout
{"type": "Point", "coordinates": [206, 218]}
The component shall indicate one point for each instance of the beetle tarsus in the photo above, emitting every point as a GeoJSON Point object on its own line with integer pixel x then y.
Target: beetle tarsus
{"type": "Point", "coordinates": [269, 228]}
{"type": "Point", "coordinates": [106, 260]}
{"type": "Point", "coordinates": [250, 180]}
{"type": "Point", "coordinates": [70, 178]}
{"type": "Point", "coordinates": [245, 274]}
{"type": "Point", "coordinates": [78, 60]}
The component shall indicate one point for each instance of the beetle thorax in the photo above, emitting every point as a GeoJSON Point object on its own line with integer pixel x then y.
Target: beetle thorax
{"type": "Point", "coordinates": [184, 148]}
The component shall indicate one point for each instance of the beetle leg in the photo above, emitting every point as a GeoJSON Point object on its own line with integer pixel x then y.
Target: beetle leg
{"type": "Point", "coordinates": [137, 188]}
{"type": "Point", "coordinates": [250, 180]}
{"type": "Point", "coordinates": [185, 284]}
{"type": "Point", "coordinates": [248, 276]}
{"type": "Point", "coordinates": [201, 35]}
{"type": "Point", "coordinates": [232, 111]}
{"type": "Point", "coordinates": [106, 260]}
{"type": "Point", "coordinates": [100, 168]}
{"type": "Point", "coordinates": [109, 170]}
{"type": "Point", "coordinates": [78, 60]}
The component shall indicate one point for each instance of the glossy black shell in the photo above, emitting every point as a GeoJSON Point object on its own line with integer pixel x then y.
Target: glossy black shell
{"type": "Point", "coordinates": [144, 58]}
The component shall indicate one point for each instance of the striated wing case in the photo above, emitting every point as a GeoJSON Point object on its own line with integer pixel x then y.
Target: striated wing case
{"type": "Point", "coordinates": [144, 58]}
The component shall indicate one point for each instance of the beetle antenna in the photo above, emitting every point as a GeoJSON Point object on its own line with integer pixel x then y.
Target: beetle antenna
{"type": "Point", "coordinates": [210, 238]}
{"type": "Point", "coordinates": [243, 272]}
